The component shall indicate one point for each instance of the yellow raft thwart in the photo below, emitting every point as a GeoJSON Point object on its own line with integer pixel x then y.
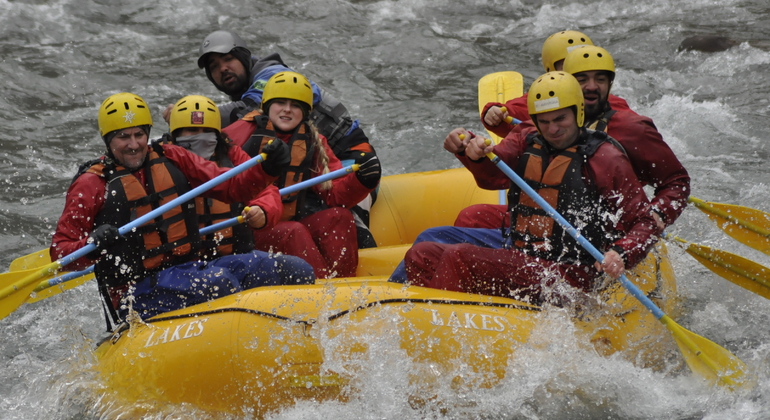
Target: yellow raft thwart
{"type": "Point", "coordinates": [265, 348]}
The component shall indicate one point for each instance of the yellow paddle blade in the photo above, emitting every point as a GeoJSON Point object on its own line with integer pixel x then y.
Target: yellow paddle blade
{"type": "Point", "coordinates": [44, 290]}
{"type": "Point", "coordinates": [748, 226]}
{"type": "Point", "coordinates": [16, 286]}
{"type": "Point", "coordinates": [708, 359]}
{"type": "Point", "coordinates": [499, 87]}
{"type": "Point", "coordinates": [741, 271]}
{"type": "Point", "coordinates": [34, 260]}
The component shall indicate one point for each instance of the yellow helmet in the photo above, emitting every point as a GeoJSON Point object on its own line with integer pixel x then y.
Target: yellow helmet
{"type": "Point", "coordinates": [123, 110]}
{"type": "Point", "coordinates": [553, 91]}
{"type": "Point", "coordinates": [589, 58]}
{"type": "Point", "coordinates": [195, 111]}
{"type": "Point", "coordinates": [289, 85]}
{"type": "Point", "coordinates": [556, 47]}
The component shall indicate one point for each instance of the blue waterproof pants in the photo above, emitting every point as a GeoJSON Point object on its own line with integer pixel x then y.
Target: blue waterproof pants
{"type": "Point", "coordinates": [201, 281]}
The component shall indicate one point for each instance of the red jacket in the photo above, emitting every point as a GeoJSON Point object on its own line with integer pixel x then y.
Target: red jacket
{"type": "Point", "coordinates": [86, 196]}
{"type": "Point", "coordinates": [608, 170]}
{"type": "Point", "coordinates": [269, 200]}
{"type": "Point", "coordinates": [346, 191]}
{"type": "Point", "coordinates": [653, 161]}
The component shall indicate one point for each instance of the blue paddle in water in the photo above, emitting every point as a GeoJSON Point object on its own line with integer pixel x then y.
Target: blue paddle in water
{"type": "Point", "coordinates": [702, 355]}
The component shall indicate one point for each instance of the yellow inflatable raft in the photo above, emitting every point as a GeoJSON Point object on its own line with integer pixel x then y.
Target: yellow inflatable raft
{"type": "Point", "coordinates": [266, 348]}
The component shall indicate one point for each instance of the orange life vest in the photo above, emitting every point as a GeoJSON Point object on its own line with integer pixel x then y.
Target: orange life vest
{"type": "Point", "coordinates": [557, 176]}
{"type": "Point", "coordinates": [169, 239]}
{"type": "Point", "coordinates": [303, 152]}
{"type": "Point", "coordinates": [236, 239]}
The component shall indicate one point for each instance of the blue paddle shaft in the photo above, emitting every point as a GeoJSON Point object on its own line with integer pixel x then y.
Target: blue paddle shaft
{"type": "Point", "coordinates": [229, 222]}
{"type": "Point", "coordinates": [284, 191]}
{"type": "Point", "coordinates": [67, 277]}
{"type": "Point", "coordinates": [657, 312]}
{"type": "Point", "coordinates": [317, 180]}
{"type": "Point", "coordinates": [82, 252]}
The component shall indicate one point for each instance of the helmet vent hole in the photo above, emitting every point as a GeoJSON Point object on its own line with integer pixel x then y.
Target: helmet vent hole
{"type": "Point", "coordinates": [551, 93]}
{"type": "Point", "coordinates": [125, 105]}
{"type": "Point", "coordinates": [538, 96]}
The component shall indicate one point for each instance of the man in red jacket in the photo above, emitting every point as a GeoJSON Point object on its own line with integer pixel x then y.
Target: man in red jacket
{"type": "Point", "coordinates": [652, 159]}
{"type": "Point", "coordinates": [555, 50]}
{"type": "Point", "coordinates": [581, 173]}
{"type": "Point", "coordinates": [155, 268]}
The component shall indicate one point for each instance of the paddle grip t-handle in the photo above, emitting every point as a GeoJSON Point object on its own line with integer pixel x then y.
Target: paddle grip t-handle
{"type": "Point", "coordinates": [509, 119]}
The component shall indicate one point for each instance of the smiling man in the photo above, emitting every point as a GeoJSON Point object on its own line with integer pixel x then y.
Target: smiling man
{"type": "Point", "coordinates": [157, 267]}
{"type": "Point", "coordinates": [582, 173]}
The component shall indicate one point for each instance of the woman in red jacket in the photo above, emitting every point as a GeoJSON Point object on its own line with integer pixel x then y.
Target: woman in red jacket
{"type": "Point", "coordinates": [316, 224]}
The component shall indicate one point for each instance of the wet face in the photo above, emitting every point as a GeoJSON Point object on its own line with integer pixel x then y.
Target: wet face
{"type": "Point", "coordinates": [285, 114]}
{"type": "Point", "coordinates": [228, 73]}
{"type": "Point", "coordinates": [558, 128]}
{"type": "Point", "coordinates": [596, 91]}
{"type": "Point", "coordinates": [129, 147]}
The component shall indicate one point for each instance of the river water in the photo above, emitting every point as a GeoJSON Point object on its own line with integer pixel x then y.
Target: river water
{"type": "Point", "coordinates": [408, 69]}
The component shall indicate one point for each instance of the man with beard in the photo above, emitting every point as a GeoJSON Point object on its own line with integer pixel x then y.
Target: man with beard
{"type": "Point", "coordinates": [652, 159]}
{"type": "Point", "coordinates": [230, 66]}
{"type": "Point", "coordinates": [554, 51]}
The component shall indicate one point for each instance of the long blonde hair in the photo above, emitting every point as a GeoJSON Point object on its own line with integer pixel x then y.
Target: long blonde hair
{"type": "Point", "coordinates": [323, 158]}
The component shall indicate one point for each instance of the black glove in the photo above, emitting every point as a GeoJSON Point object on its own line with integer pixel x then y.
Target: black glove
{"type": "Point", "coordinates": [278, 157]}
{"type": "Point", "coordinates": [103, 237]}
{"type": "Point", "coordinates": [369, 171]}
